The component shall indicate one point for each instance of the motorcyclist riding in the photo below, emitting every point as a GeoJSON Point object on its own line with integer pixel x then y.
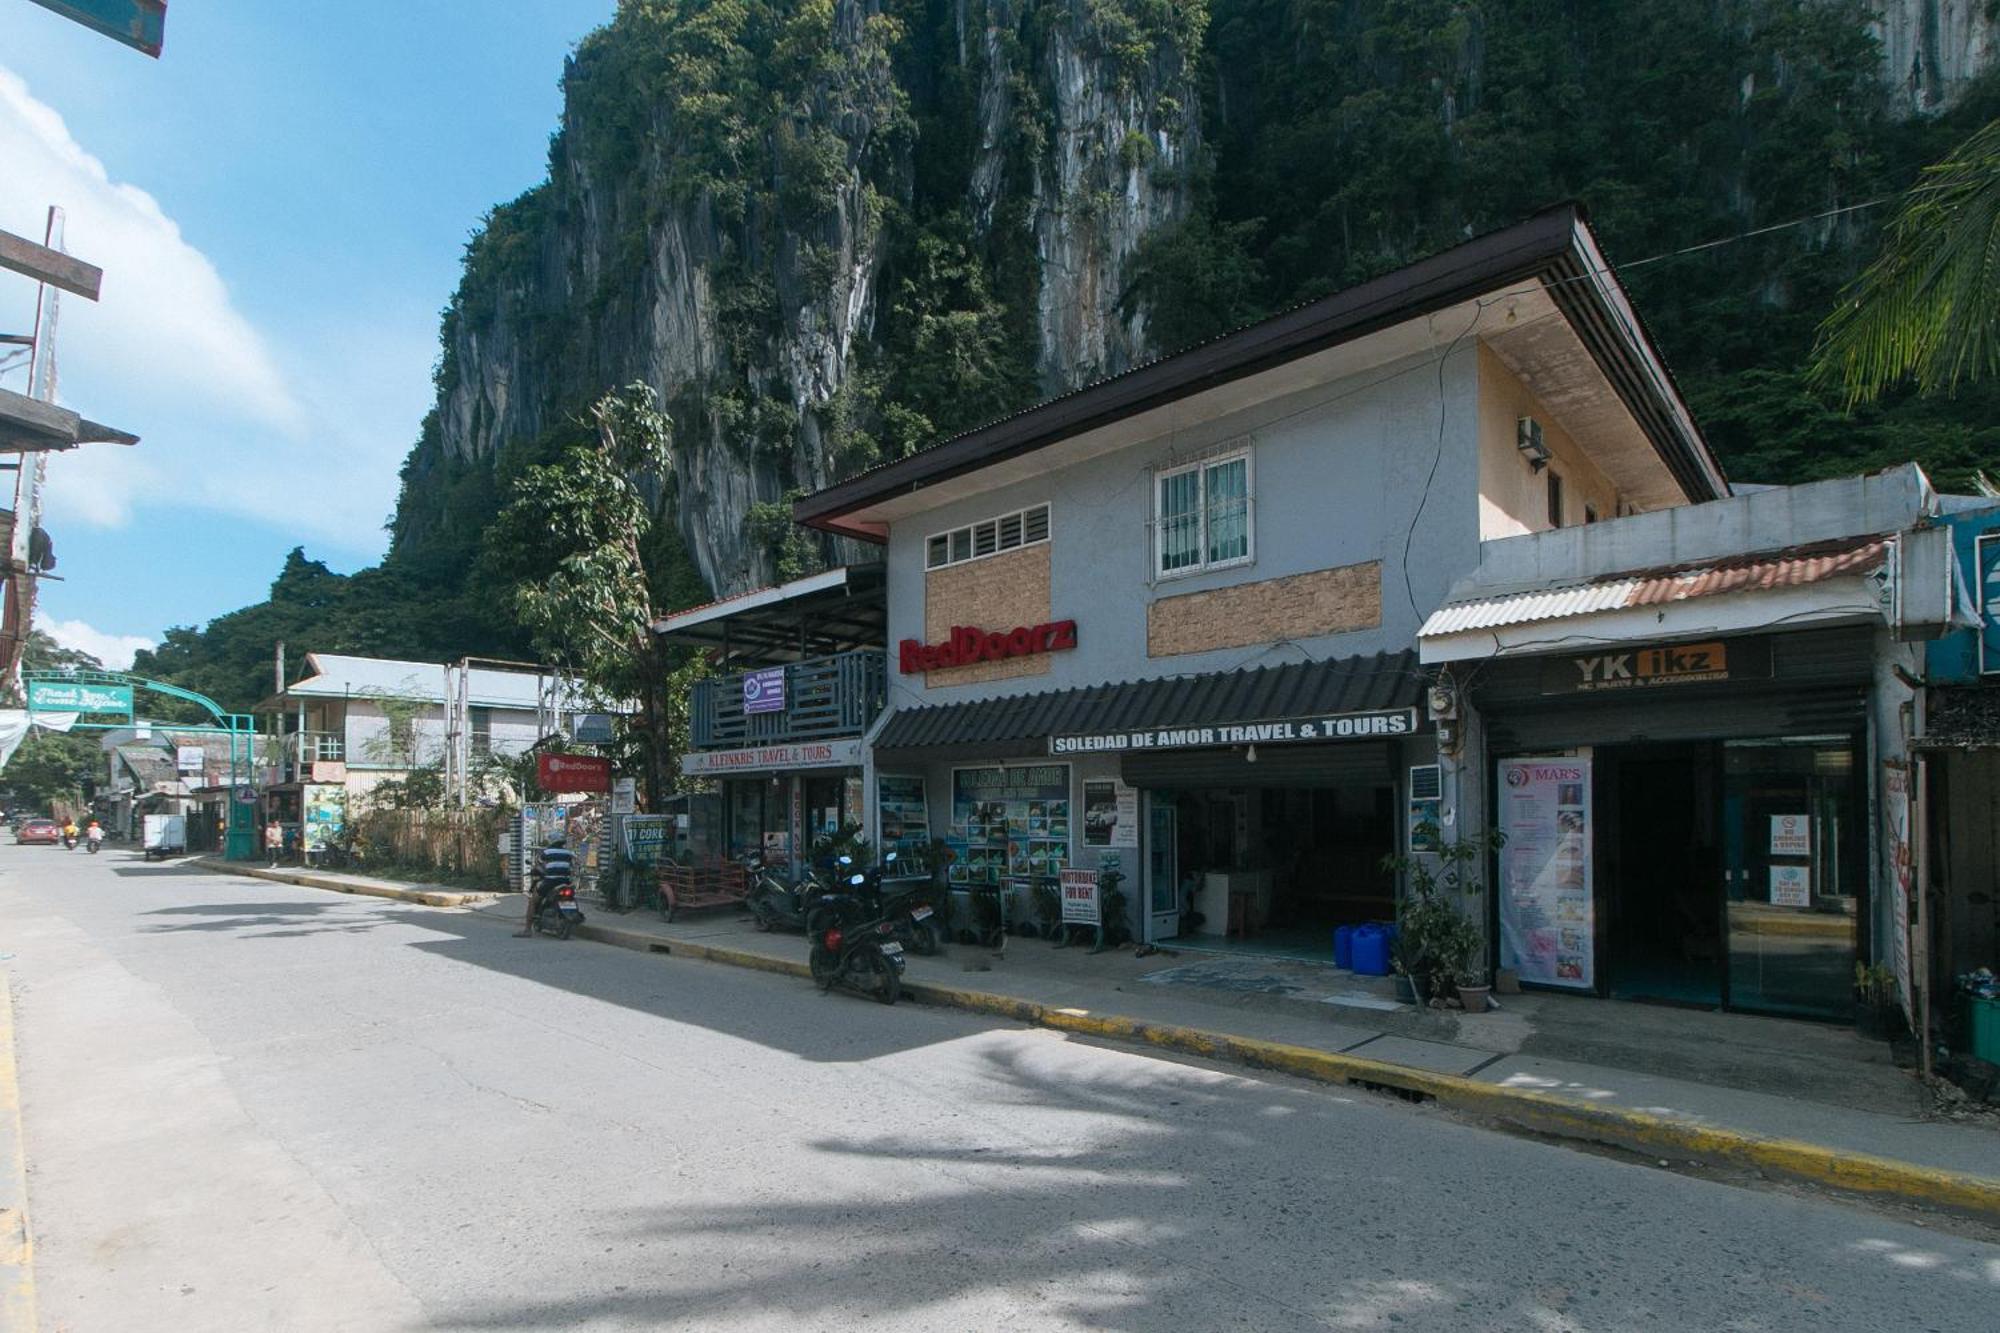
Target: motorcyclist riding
{"type": "Point", "coordinates": [96, 835]}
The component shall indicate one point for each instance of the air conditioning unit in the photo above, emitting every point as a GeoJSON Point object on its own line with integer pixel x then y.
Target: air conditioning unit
{"type": "Point", "coordinates": [1920, 584]}
{"type": "Point", "coordinates": [1528, 439]}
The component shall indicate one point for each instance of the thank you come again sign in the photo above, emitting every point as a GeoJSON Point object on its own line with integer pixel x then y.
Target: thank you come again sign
{"type": "Point", "coordinates": [75, 696]}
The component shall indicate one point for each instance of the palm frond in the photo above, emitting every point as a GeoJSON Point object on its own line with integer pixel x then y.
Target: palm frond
{"type": "Point", "coordinates": [1928, 308]}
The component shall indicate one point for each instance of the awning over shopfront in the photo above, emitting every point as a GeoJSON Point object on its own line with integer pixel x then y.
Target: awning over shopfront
{"type": "Point", "coordinates": [838, 610]}
{"type": "Point", "coordinates": [1347, 698]}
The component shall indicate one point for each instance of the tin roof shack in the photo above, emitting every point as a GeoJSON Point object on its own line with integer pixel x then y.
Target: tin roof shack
{"type": "Point", "coordinates": [799, 671]}
{"type": "Point", "coordinates": [1164, 624]}
{"type": "Point", "coordinates": [1693, 728]}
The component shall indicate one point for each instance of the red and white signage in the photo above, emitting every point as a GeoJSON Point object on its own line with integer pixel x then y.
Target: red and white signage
{"type": "Point", "coordinates": [573, 772]}
{"type": "Point", "coordinates": [967, 644]}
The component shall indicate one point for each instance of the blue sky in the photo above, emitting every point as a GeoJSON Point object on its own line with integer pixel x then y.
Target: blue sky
{"type": "Point", "coordinates": [279, 204]}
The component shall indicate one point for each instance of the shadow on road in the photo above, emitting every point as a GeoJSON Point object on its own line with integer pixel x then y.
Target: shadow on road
{"type": "Point", "coordinates": [256, 919]}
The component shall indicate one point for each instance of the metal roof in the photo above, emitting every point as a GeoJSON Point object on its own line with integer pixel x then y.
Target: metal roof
{"type": "Point", "coordinates": [834, 611]}
{"type": "Point", "coordinates": [1343, 685]}
{"type": "Point", "coordinates": [1792, 568]}
{"type": "Point", "coordinates": [336, 676]}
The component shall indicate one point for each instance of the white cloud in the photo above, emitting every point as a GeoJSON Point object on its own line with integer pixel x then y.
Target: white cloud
{"type": "Point", "coordinates": [114, 650]}
{"type": "Point", "coordinates": [227, 422]}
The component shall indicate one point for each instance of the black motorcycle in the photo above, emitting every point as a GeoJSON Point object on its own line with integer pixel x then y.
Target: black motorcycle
{"type": "Point", "coordinates": [776, 905]}
{"type": "Point", "coordinates": [556, 911]}
{"type": "Point", "coordinates": [852, 946]}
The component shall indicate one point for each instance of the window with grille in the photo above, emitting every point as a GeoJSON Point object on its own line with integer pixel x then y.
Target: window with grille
{"type": "Point", "coordinates": [975, 541]}
{"type": "Point", "coordinates": [1202, 516]}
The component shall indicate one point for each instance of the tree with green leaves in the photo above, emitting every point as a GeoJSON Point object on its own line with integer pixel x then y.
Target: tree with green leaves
{"type": "Point", "coordinates": [573, 543]}
{"type": "Point", "coordinates": [1928, 308]}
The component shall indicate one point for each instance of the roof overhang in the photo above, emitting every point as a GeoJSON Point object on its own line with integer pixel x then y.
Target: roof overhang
{"type": "Point", "coordinates": [836, 610]}
{"type": "Point", "coordinates": [29, 425]}
{"type": "Point", "coordinates": [1432, 304]}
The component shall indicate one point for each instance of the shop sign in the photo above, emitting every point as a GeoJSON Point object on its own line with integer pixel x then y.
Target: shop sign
{"type": "Point", "coordinates": [967, 644]}
{"type": "Point", "coordinates": [1791, 835]}
{"type": "Point", "coordinates": [190, 759]}
{"type": "Point", "coordinates": [764, 691]}
{"type": "Point", "coordinates": [808, 754]}
{"type": "Point", "coordinates": [573, 772]}
{"type": "Point", "coordinates": [1896, 827]}
{"type": "Point", "coordinates": [71, 696]}
{"type": "Point", "coordinates": [591, 728]}
{"type": "Point", "coordinates": [1378, 724]}
{"type": "Point", "coordinates": [624, 795]}
{"type": "Point", "coordinates": [1640, 668]}
{"type": "Point", "coordinates": [647, 839]}
{"type": "Point", "coordinates": [1080, 903]}
{"type": "Point", "coordinates": [1791, 886]}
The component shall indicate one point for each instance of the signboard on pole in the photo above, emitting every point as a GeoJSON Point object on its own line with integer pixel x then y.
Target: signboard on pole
{"type": "Point", "coordinates": [624, 795]}
{"type": "Point", "coordinates": [592, 728]}
{"type": "Point", "coordinates": [190, 759]}
{"type": "Point", "coordinates": [764, 691]}
{"type": "Point", "coordinates": [75, 696]}
{"type": "Point", "coordinates": [1547, 917]}
{"type": "Point", "coordinates": [573, 772]}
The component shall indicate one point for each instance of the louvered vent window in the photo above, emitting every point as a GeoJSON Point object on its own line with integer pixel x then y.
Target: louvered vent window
{"type": "Point", "coordinates": [1006, 532]}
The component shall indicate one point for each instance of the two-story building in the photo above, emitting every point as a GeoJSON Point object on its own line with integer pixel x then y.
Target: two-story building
{"type": "Point", "coordinates": [798, 679]}
{"type": "Point", "coordinates": [1169, 620]}
{"type": "Point", "coordinates": [350, 723]}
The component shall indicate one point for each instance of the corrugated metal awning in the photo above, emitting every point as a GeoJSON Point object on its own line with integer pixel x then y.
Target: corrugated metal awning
{"type": "Point", "coordinates": [1795, 567]}
{"type": "Point", "coordinates": [1223, 698]}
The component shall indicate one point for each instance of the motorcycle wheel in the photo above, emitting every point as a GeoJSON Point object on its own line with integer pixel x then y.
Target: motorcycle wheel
{"type": "Point", "coordinates": [563, 931]}
{"type": "Point", "coordinates": [549, 921]}
{"type": "Point", "coordinates": [760, 917]}
{"type": "Point", "coordinates": [884, 983]}
{"type": "Point", "coordinates": [824, 964]}
{"type": "Point", "coordinates": [925, 938]}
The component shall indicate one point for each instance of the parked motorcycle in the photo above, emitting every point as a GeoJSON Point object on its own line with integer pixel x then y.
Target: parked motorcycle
{"type": "Point", "coordinates": [776, 905]}
{"type": "Point", "coordinates": [852, 946]}
{"type": "Point", "coordinates": [554, 887]}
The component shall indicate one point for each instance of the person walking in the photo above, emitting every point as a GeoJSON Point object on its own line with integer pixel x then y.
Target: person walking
{"type": "Point", "coordinates": [274, 841]}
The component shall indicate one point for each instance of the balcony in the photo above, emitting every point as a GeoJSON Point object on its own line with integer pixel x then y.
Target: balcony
{"type": "Point", "coordinates": [824, 697]}
{"type": "Point", "coordinates": [303, 749]}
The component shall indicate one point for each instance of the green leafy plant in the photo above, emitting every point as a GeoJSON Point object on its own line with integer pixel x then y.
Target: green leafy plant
{"type": "Point", "coordinates": [1436, 942]}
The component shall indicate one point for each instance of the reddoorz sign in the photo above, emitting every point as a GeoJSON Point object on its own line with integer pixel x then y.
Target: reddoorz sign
{"type": "Point", "coordinates": [967, 644]}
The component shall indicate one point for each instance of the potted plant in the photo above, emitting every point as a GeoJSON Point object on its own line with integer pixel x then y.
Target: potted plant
{"type": "Point", "coordinates": [1875, 1003]}
{"type": "Point", "coordinates": [1436, 943]}
{"type": "Point", "coordinates": [1473, 988]}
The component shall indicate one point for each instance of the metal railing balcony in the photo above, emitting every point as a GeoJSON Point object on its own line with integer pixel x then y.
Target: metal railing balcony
{"type": "Point", "coordinates": [824, 697]}
{"type": "Point", "coordinates": [302, 749]}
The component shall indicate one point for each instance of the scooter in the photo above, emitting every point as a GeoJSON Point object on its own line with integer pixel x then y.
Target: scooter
{"type": "Point", "coordinates": [94, 844]}
{"type": "Point", "coordinates": [776, 905]}
{"type": "Point", "coordinates": [852, 947]}
{"type": "Point", "coordinates": [556, 911]}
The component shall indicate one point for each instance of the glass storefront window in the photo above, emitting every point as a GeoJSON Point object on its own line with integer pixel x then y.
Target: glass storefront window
{"type": "Point", "coordinates": [1795, 872]}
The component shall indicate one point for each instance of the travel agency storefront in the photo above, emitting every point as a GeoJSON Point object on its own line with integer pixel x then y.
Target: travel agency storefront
{"type": "Point", "coordinates": [779, 727]}
{"type": "Point", "coordinates": [1688, 768]}
{"type": "Point", "coordinates": [1248, 808]}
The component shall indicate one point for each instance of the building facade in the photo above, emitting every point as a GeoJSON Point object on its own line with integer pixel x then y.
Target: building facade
{"type": "Point", "coordinates": [1167, 624]}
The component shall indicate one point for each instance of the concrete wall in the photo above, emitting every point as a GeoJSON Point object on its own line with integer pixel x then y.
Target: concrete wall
{"type": "Point", "coordinates": [1764, 521]}
{"type": "Point", "coordinates": [1340, 478]}
{"type": "Point", "coordinates": [368, 743]}
{"type": "Point", "coordinates": [1513, 497]}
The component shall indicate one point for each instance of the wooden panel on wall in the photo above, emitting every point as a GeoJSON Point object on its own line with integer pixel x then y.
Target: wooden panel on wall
{"type": "Point", "coordinates": [1299, 606]}
{"type": "Point", "coordinates": [996, 593]}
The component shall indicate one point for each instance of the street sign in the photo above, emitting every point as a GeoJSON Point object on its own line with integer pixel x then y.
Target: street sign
{"type": "Point", "coordinates": [75, 696]}
{"type": "Point", "coordinates": [190, 759]}
{"type": "Point", "coordinates": [246, 796]}
{"type": "Point", "coordinates": [573, 772]}
{"type": "Point", "coordinates": [139, 24]}
{"type": "Point", "coordinates": [591, 728]}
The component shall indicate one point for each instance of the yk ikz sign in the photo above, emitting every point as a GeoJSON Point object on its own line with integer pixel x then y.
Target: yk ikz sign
{"type": "Point", "coordinates": [1657, 666]}
{"type": "Point", "coordinates": [966, 645]}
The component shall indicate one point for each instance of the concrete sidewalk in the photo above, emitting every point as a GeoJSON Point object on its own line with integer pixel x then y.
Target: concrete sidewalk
{"type": "Point", "coordinates": [1789, 1098]}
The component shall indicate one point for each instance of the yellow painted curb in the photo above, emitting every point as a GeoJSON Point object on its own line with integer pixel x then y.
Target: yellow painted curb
{"type": "Point", "coordinates": [17, 1244]}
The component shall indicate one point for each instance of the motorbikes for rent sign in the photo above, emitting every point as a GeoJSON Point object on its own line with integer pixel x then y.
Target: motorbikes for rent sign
{"type": "Point", "coordinates": [1080, 904]}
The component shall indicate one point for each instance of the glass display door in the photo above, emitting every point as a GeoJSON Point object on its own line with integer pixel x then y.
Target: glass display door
{"type": "Point", "coordinates": [1794, 873]}
{"type": "Point", "coordinates": [1163, 916]}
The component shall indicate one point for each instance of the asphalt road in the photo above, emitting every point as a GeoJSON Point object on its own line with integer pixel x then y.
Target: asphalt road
{"type": "Point", "coordinates": [251, 1106]}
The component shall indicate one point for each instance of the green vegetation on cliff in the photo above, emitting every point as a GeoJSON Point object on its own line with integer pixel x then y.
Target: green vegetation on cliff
{"type": "Point", "coordinates": [831, 209]}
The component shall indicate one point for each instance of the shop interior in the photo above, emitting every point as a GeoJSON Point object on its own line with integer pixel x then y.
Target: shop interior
{"type": "Point", "coordinates": [1733, 873]}
{"type": "Point", "coordinates": [1274, 870]}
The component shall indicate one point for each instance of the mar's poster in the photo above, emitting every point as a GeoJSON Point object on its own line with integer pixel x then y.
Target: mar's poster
{"type": "Point", "coordinates": [1548, 928]}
